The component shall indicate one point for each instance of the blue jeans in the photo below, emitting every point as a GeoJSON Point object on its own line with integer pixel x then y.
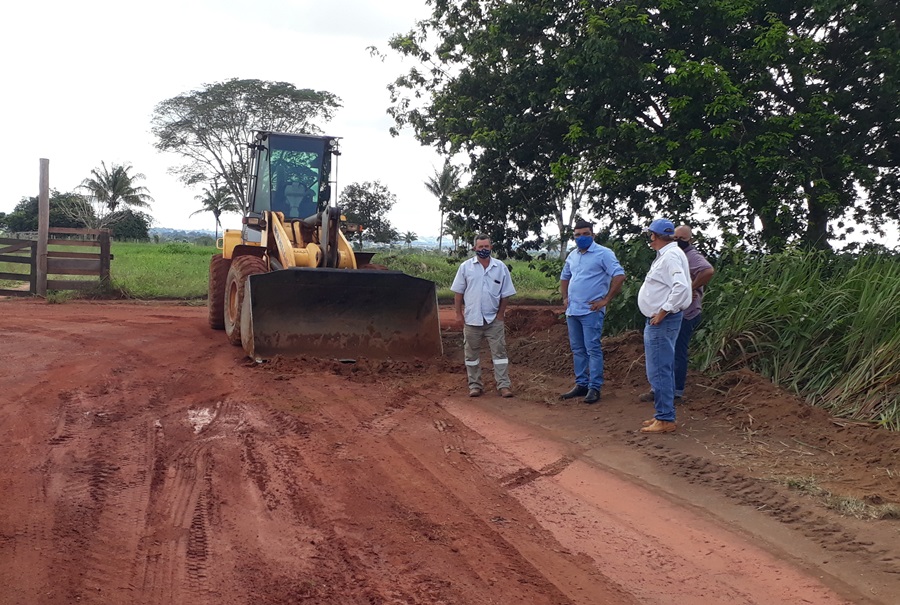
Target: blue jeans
{"type": "Point", "coordinates": [659, 351]}
{"type": "Point", "coordinates": [587, 356]}
{"type": "Point", "coordinates": [681, 352]}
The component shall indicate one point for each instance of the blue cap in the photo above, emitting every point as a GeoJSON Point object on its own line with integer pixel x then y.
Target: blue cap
{"type": "Point", "coordinates": [661, 226]}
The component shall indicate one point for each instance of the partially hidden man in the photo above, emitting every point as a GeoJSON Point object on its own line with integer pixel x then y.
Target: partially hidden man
{"type": "Point", "coordinates": [482, 288]}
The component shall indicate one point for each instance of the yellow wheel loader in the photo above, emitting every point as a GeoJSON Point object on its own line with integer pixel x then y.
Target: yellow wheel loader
{"type": "Point", "coordinates": [289, 283]}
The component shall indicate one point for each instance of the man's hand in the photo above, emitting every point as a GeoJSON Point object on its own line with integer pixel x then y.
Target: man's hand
{"type": "Point", "coordinates": [460, 317]}
{"type": "Point", "coordinates": [656, 319]}
{"type": "Point", "coordinates": [596, 305]}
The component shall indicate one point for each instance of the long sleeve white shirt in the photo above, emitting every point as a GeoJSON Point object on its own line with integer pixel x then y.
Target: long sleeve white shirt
{"type": "Point", "coordinates": [667, 286]}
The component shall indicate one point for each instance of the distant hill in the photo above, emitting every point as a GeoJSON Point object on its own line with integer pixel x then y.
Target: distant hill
{"type": "Point", "coordinates": [166, 234]}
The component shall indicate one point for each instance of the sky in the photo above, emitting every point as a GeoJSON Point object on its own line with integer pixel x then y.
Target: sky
{"type": "Point", "coordinates": [81, 80]}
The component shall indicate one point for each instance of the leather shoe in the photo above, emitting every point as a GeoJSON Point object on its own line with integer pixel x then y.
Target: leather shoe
{"type": "Point", "coordinates": [593, 396]}
{"type": "Point", "coordinates": [474, 392]}
{"type": "Point", "coordinates": [505, 392]}
{"type": "Point", "coordinates": [648, 422]}
{"type": "Point", "coordinates": [578, 391]}
{"type": "Point", "coordinates": [659, 426]}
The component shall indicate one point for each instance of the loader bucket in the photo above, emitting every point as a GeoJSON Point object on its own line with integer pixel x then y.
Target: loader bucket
{"type": "Point", "coordinates": [340, 313]}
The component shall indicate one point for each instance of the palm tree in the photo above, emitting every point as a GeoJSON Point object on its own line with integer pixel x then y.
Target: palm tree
{"type": "Point", "coordinates": [409, 237]}
{"type": "Point", "coordinates": [551, 243]}
{"type": "Point", "coordinates": [444, 185]}
{"type": "Point", "coordinates": [217, 199]}
{"type": "Point", "coordinates": [113, 186]}
{"type": "Point", "coordinates": [457, 228]}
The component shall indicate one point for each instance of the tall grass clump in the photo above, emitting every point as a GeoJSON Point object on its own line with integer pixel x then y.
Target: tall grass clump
{"type": "Point", "coordinates": [823, 325]}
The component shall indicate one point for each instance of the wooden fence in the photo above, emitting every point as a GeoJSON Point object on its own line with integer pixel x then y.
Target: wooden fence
{"type": "Point", "coordinates": [20, 252]}
{"type": "Point", "coordinates": [85, 254]}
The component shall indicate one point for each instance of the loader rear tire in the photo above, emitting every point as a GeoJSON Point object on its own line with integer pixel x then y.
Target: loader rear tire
{"type": "Point", "coordinates": [215, 302]}
{"type": "Point", "coordinates": [242, 267]}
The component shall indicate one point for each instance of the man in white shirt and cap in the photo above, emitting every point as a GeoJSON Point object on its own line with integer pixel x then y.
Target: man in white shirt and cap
{"type": "Point", "coordinates": [664, 295]}
{"type": "Point", "coordinates": [482, 287]}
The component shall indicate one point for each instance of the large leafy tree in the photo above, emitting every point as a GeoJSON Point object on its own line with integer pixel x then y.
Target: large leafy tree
{"type": "Point", "coordinates": [211, 127]}
{"type": "Point", "coordinates": [443, 185]}
{"type": "Point", "coordinates": [367, 204]}
{"type": "Point", "coordinates": [217, 199]}
{"type": "Point", "coordinates": [129, 224]}
{"type": "Point", "coordinates": [776, 112]}
{"type": "Point", "coordinates": [115, 186]}
{"type": "Point", "coordinates": [24, 217]}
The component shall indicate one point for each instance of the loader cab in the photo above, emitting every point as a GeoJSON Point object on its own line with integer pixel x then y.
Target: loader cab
{"type": "Point", "coordinates": [290, 173]}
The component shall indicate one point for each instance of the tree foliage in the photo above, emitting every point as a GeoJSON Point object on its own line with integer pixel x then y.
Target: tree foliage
{"type": "Point", "coordinates": [780, 113]}
{"type": "Point", "coordinates": [443, 185]}
{"type": "Point", "coordinates": [24, 217]}
{"type": "Point", "coordinates": [217, 199]}
{"type": "Point", "coordinates": [211, 126]}
{"type": "Point", "coordinates": [129, 224]}
{"type": "Point", "coordinates": [367, 204]}
{"type": "Point", "coordinates": [117, 185]}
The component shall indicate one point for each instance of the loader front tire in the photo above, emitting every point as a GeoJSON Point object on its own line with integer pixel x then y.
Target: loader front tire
{"type": "Point", "coordinates": [242, 267]}
{"type": "Point", "coordinates": [215, 303]}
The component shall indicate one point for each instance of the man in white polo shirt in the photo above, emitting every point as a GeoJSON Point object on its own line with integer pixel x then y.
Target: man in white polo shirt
{"type": "Point", "coordinates": [482, 287]}
{"type": "Point", "coordinates": [664, 295]}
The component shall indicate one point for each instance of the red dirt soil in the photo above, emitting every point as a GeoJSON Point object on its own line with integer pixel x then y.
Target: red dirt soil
{"type": "Point", "coordinates": [148, 461]}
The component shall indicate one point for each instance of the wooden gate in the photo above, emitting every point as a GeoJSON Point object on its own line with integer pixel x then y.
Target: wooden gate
{"type": "Point", "coordinates": [87, 255]}
{"type": "Point", "coordinates": [19, 251]}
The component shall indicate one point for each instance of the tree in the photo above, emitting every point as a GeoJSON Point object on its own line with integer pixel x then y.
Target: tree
{"type": "Point", "coordinates": [217, 199]}
{"type": "Point", "coordinates": [24, 216]}
{"type": "Point", "coordinates": [128, 224]}
{"type": "Point", "coordinates": [211, 127]}
{"type": "Point", "coordinates": [409, 237]}
{"type": "Point", "coordinates": [443, 185]}
{"type": "Point", "coordinates": [779, 112]}
{"type": "Point", "coordinates": [367, 204]}
{"type": "Point", "coordinates": [459, 228]}
{"type": "Point", "coordinates": [113, 186]}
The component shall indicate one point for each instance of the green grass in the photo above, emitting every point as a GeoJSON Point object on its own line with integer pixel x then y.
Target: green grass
{"type": "Point", "coordinates": [532, 285]}
{"type": "Point", "coordinates": [822, 325]}
{"type": "Point", "coordinates": [170, 270]}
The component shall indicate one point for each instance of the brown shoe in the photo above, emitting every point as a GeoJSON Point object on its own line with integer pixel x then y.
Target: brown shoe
{"type": "Point", "coordinates": [648, 422]}
{"type": "Point", "coordinates": [648, 396]}
{"type": "Point", "coordinates": [659, 426]}
{"type": "Point", "coordinates": [475, 392]}
{"type": "Point", "coordinates": [505, 392]}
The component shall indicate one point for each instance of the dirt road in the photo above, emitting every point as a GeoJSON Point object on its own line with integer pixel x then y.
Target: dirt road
{"type": "Point", "coordinates": [146, 461]}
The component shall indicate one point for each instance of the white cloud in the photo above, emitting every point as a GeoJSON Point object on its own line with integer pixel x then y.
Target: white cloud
{"type": "Point", "coordinates": [82, 78]}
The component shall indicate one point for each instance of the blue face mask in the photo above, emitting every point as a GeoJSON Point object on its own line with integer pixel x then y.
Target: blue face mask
{"type": "Point", "coordinates": [483, 253]}
{"type": "Point", "coordinates": [584, 242]}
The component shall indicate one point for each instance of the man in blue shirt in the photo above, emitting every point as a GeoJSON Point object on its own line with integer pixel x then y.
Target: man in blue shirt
{"type": "Point", "coordinates": [482, 287]}
{"type": "Point", "coordinates": [590, 279]}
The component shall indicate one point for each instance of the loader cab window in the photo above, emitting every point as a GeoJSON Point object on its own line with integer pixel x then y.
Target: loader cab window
{"type": "Point", "coordinates": [297, 170]}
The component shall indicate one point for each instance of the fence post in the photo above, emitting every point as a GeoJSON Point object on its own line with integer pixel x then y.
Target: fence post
{"type": "Point", "coordinates": [32, 277]}
{"type": "Point", "coordinates": [43, 227]}
{"type": "Point", "coordinates": [104, 258]}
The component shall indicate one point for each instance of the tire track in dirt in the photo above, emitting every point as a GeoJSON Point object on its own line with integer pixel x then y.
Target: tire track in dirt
{"type": "Point", "coordinates": [96, 495]}
{"type": "Point", "coordinates": [768, 498]}
{"type": "Point", "coordinates": [361, 429]}
{"type": "Point", "coordinates": [172, 563]}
